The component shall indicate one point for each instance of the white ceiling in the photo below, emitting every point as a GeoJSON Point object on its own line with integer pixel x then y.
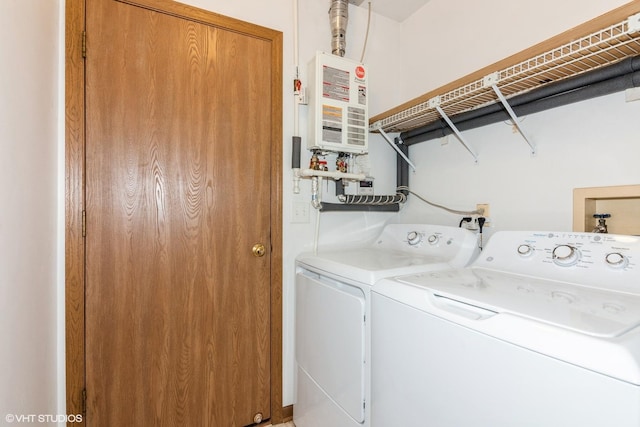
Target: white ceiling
{"type": "Point", "coordinates": [398, 10]}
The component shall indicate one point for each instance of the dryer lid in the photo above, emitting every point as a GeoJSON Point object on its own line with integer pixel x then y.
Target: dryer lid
{"type": "Point", "coordinates": [368, 265]}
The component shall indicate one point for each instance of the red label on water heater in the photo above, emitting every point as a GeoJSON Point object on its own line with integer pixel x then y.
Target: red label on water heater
{"type": "Point", "coordinates": [360, 72]}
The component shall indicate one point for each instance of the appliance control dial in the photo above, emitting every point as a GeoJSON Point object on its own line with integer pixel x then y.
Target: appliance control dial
{"type": "Point", "coordinates": [525, 250]}
{"type": "Point", "coordinates": [413, 238]}
{"type": "Point", "coordinates": [616, 260]}
{"type": "Point", "coordinates": [433, 239]}
{"type": "Point", "coordinates": [565, 255]}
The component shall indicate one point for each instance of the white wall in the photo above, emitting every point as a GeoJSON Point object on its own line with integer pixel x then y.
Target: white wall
{"type": "Point", "coordinates": [448, 39]}
{"type": "Point", "coordinates": [29, 141]}
{"type": "Point", "coordinates": [592, 143]}
{"type": "Point", "coordinates": [588, 144]}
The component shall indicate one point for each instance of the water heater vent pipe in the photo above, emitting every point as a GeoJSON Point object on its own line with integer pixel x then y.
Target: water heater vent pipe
{"type": "Point", "coordinates": [339, 17]}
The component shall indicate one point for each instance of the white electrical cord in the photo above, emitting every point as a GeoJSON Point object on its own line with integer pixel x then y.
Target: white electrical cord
{"type": "Point", "coordinates": [316, 234]}
{"type": "Point", "coordinates": [316, 202]}
{"type": "Point", "coordinates": [366, 36]}
{"type": "Point", "coordinates": [453, 211]}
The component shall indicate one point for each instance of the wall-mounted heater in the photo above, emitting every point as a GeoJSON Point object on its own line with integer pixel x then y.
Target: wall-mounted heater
{"type": "Point", "coordinates": [338, 107]}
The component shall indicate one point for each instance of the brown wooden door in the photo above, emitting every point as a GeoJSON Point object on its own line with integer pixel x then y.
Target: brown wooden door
{"type": "Point", "coordinates": [178, 191]}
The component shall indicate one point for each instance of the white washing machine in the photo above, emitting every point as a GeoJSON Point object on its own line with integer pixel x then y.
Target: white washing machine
{"type": "Point", "coordinates": [333, 311]}
{"type": "Point", "coordinates": [542, 330]}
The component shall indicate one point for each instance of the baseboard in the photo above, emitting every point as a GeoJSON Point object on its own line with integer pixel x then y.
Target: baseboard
{"type": "Point", "coordinates": [287, 413]}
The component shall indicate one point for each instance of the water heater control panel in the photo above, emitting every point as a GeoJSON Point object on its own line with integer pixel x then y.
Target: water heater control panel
{"type": "Point", "coordinates": [338, 106]}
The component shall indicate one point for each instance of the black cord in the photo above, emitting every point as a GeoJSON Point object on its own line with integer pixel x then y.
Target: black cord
{"type": "Point", "coordinates": [463, 220]}
{"type": "Point", "coordinates": [481, 221]}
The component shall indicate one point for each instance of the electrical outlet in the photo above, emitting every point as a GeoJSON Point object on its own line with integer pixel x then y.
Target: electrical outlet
{"type": "Point", "coordinates": [632, 94]}
{"type": "Point", "coordinates": [485, 209]}
{"type": "Point", "coordinates": [301, 210]}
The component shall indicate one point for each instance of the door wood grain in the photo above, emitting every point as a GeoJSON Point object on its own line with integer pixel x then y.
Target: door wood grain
{"type": "Point", "coordinates": [181, 129]}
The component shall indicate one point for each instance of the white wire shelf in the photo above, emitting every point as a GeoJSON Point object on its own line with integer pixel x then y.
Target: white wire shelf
{"type": "Point", "coordinates": [601, 48]}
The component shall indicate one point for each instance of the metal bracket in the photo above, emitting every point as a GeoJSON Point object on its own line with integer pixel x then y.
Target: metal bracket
{"type": "Point", "coordinates": [393, 145]}
{"type": "Point", "coordinates": [514, 118]}
{"type": "Point", "coordinates": [492, 80]}
{"type": "Point", "coordinates": [633, 23]}
{"type": "Point", "coordinates": [435, 103]}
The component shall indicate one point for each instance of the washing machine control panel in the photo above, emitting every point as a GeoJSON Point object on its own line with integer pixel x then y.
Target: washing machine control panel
{"type": "Point", "coordinates": [586, 258]}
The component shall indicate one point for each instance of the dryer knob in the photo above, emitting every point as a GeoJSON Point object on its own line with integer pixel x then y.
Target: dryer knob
{"type": "Point", "coordinates": [565, 255]}
{"type": "Point", "coordinates": [433, 239]}
{"type": "Point", "coordinates": [413, 238]}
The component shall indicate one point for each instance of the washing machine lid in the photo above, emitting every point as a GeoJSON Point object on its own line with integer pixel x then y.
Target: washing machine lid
{"type": "Point", "coordinates": [595, 312]}
{"type": "Point", "coordinates": [368, 265]}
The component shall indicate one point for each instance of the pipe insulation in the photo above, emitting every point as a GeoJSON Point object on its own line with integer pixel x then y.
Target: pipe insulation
{"type": "Point", "coordinates": [603, 81]}
{"type": "Point", "coordinates": [343, 207]}
{"type": "Point", "coordinates": [402, 167]}
{"type": "Point", "coordinates": [296, 143]}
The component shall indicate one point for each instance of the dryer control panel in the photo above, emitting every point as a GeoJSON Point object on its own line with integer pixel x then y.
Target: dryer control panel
{"type": "Point", "coordinates": [451, 244]}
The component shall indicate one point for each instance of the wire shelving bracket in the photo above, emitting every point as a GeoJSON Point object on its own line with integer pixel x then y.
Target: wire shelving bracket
{"type": "Point", "coordinates": [435, 103]}
{"type": "Point", "coordinates": [390, 142]}
{"type": "Point", "coordinates": [492, 81]}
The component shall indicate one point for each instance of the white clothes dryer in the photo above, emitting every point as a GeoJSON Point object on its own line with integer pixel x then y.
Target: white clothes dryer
{"type": "Point", "coordinates": [332, 329]}
{"type": "Point", "coordinates": [543, 329]}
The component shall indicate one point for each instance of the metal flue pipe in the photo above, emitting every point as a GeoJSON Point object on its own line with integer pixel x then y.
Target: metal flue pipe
{"type": "Point", "coordinates": [339, 17]}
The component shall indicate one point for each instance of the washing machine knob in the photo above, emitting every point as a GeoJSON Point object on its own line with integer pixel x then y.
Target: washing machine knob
{"type": "Point", "coordinates": [525, 250]}
{"type": "Point", "coordinates": [413, 238]}
{"type": "Point", "coordinates": [565, 255]}
{"type": "Point", "coordinates": [433, 239]}
{"type": "Point", "coordinates": [616, 260]}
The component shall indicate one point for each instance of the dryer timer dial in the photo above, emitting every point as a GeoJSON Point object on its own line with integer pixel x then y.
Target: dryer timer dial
{"type": "Point", "coordinates": [413, 238]}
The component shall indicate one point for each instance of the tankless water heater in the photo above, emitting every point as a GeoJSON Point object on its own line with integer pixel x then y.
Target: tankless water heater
{"type": "Point", "coordinates": [338, 107]}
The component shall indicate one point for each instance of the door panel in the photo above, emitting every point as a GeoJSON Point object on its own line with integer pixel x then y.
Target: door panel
{"type": "Point", "coordinates": [177, 193]}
